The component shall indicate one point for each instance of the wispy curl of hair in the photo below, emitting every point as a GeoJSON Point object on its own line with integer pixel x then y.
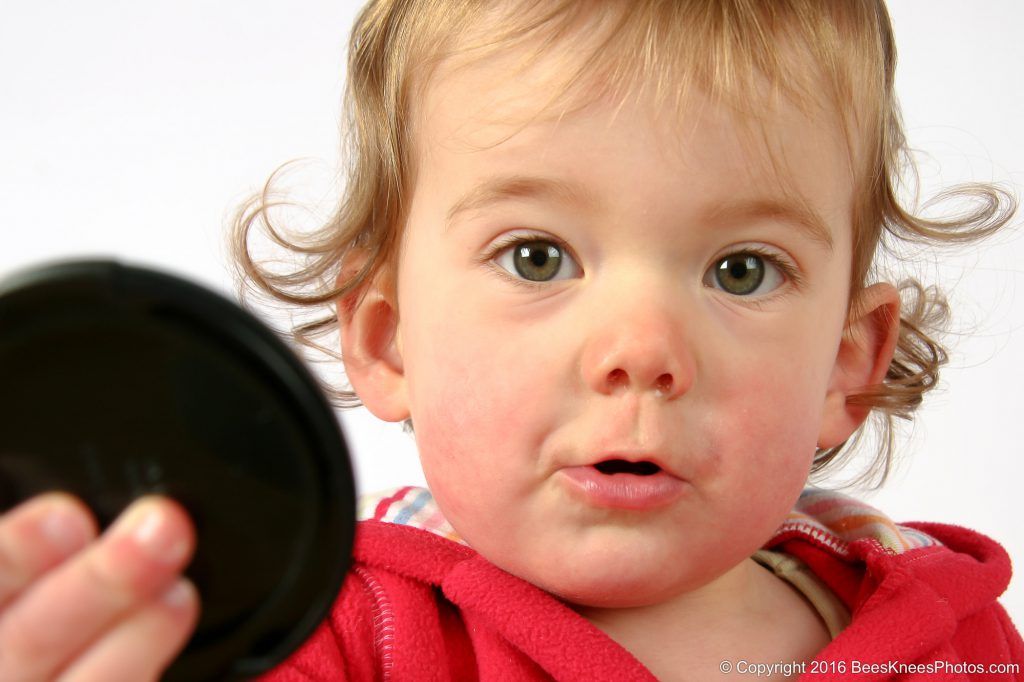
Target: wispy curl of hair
{"type": "Point", "coordinates": [725, 49]}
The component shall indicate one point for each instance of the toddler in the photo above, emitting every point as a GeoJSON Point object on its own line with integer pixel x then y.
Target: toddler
{"type": "Point", "coordinates": [612, 263]}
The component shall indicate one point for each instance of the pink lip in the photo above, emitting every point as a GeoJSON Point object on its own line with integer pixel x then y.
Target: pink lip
{"type": "Point", "coordinates": [623, 490]}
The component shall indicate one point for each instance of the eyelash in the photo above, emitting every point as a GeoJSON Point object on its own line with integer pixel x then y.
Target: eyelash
{"type": "Point", "coordinates": [514, 240]}
{"type": "Point", "coordinates": [789, 271]}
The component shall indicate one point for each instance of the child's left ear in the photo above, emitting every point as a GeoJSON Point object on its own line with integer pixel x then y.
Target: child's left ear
{"type": "Point", "coordinates": [865, 352]}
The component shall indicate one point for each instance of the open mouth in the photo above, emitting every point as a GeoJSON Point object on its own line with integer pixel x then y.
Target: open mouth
{"type": "Point", "coordinates": [617, 483]}
{"type": "Point", "coordinates": [621, 466]}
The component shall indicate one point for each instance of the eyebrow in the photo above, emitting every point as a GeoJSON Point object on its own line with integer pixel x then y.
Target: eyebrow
{"type": "Point", "coordinates": [804, 218]}
{"type": "Point", "coordinates": [503, 187]}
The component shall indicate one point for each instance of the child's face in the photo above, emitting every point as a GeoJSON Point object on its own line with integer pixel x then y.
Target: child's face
{"type": "Point", "coordinates": [632, 345]}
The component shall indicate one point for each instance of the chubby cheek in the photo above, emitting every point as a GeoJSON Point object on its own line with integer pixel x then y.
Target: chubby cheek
{"type": "Point", "coordinates": [763, 439]}
{"type": "Point", "coordinates": [477, 420]}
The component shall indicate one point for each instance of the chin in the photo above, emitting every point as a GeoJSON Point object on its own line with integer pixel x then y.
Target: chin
{"type": "Point", "coordinates": [610, 589]}
{"type": "Point", "coordinates": [613, 597]}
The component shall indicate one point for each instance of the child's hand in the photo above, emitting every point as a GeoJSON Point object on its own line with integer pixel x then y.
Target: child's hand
{"type": "Point", "coordinates": [76, 608]}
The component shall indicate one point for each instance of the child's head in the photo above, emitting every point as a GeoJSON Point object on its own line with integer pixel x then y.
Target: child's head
{"type": "Point", "coordinates": [698, 191]}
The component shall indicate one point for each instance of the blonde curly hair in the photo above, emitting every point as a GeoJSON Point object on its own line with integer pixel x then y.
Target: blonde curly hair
{"type": "Point", "coordinates": [719, 47]}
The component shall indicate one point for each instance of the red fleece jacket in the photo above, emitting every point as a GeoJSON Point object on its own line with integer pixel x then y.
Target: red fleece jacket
{"type": "Point", "coordinates": [418, 606]}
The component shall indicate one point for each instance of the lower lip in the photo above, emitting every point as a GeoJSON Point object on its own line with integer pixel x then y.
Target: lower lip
{"type": "Point", "coordinates": [624, 491]}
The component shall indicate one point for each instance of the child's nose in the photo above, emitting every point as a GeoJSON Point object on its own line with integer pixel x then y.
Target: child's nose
{"type": "Point", "coordinates": [642, 349]}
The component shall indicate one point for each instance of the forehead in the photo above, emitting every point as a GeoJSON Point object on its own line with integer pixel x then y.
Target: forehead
{"type": "Point", "coordinates": [476, 122]}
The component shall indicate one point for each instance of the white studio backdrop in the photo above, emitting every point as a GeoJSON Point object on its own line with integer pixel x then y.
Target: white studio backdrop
{"type": "Point", "coordinates": [134, 130]}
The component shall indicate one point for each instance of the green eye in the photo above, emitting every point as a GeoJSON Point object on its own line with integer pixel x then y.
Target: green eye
{"type": "Point", "coordinates": [744, 273]}
{"type": "Point", "coordinates": [535, 260]}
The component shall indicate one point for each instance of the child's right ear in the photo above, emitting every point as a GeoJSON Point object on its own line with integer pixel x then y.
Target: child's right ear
{"type": "Point", "coordinates": [371, 344]}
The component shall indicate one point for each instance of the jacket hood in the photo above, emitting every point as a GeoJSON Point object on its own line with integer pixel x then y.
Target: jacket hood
{"type": "Point", "coordinates": [909, 586]}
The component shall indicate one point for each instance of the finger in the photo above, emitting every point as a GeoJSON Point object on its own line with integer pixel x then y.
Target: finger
{"type": "Point", "coordinates": [39, 534]}
{"type": "Point", "coordinates": [69, 607]}
{"type": "Point", "coordinates": [141, 646]}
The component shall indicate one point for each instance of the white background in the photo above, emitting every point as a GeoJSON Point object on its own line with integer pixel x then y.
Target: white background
{"type": "Point", "coordinates": [135, 129]}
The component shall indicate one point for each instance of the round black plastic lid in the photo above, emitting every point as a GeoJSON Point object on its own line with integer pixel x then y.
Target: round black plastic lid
{"type": "Point", "coordinates": [119, 381]}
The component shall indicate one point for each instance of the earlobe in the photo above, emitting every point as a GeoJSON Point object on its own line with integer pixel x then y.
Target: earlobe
{"type": "Point", "coordinates": [865, 352]}
{"type": "Point", "coordinates": [371, 345]}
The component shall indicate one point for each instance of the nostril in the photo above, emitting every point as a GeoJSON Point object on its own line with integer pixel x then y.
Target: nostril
{"type": "Point", "coordinates": [621, 466]}
{"type": "Point", "coordinates": [617, 377]}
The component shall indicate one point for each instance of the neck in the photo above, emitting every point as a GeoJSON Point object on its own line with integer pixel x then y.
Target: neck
{"type": "Point", "coordinates": [745, 613]}
{"type": "Point", "coordinates": [727, 599]}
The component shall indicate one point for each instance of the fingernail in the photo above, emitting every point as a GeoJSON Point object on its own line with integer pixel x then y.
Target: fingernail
{"type": "Point", "coordinates": [151, 530]}
{"type": "Point", "coordinates": [63, 528]}
{"type": "Point", "coordinates": [179, 595]}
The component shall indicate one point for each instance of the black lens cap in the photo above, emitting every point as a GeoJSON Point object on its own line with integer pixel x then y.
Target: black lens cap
{"type": "Point", "coordinates": [120, 381]}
